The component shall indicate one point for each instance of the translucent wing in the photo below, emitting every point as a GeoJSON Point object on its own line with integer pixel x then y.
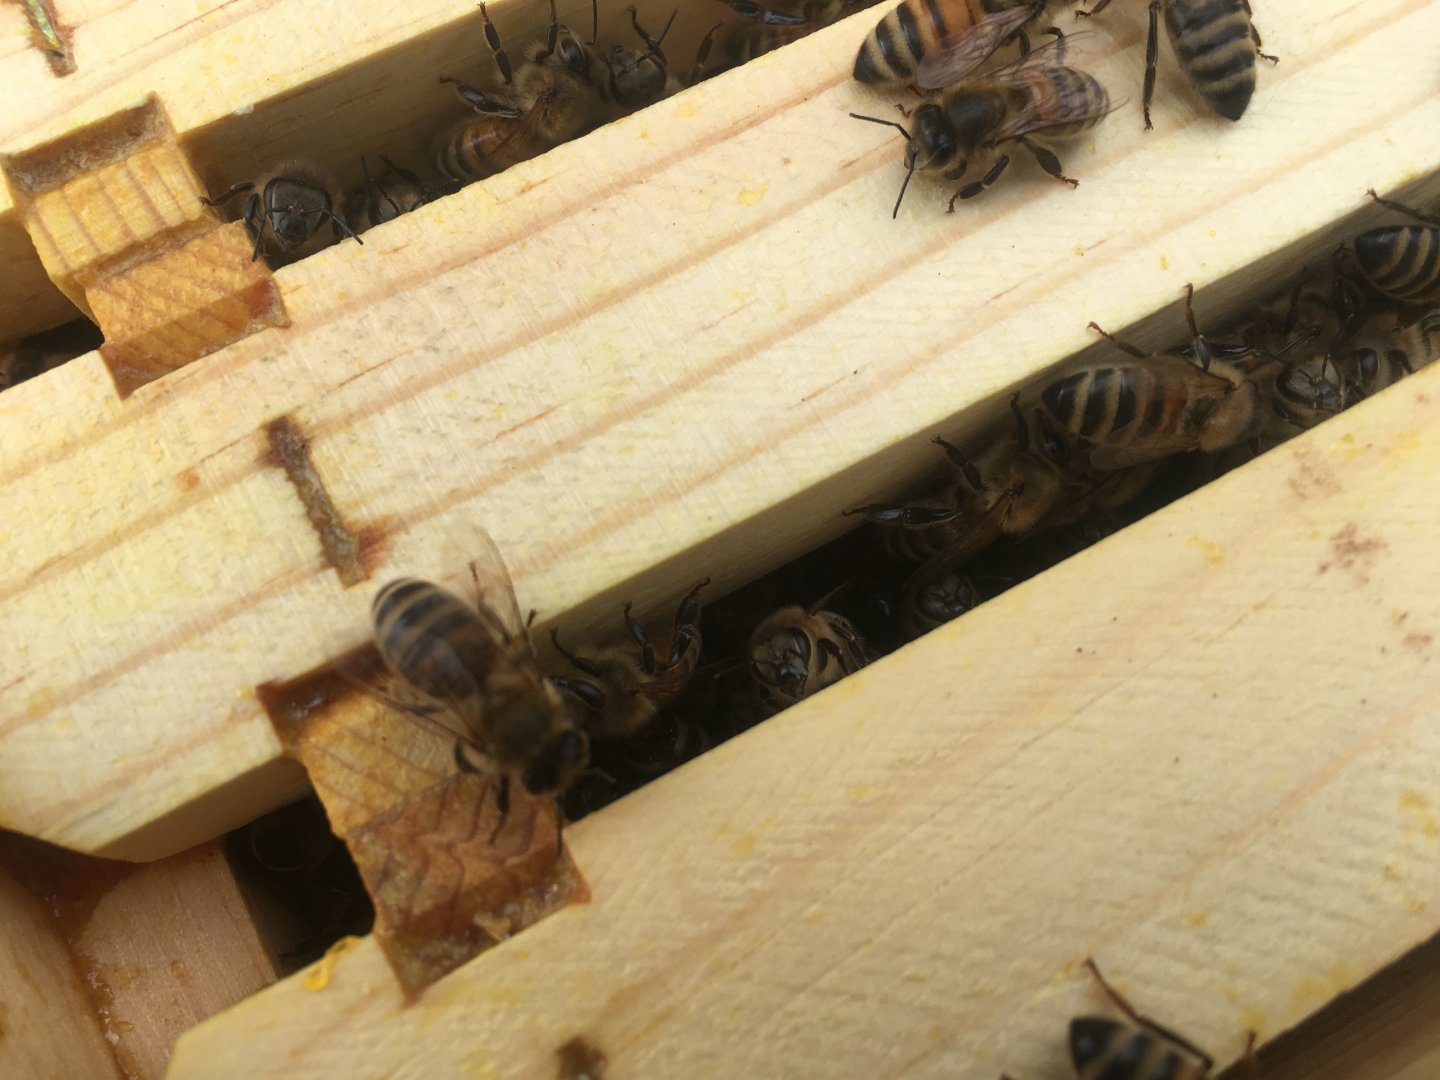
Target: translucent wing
{"type": "Point", "coordinates": [1054, 112]}
{"type": "Point", "coordinates": [495, 596]}
{"type": "Point", "coordinates": [960, 54]}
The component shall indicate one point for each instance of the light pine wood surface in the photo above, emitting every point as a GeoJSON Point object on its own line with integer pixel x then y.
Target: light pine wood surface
{"type": "Point", "coordinates": [678, 347]}
{"type": "Point", "coordinates": [1204, 751]}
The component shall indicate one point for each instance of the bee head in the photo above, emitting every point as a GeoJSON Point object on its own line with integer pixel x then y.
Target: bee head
{"type": "Point", "coordinates": [295, 209]}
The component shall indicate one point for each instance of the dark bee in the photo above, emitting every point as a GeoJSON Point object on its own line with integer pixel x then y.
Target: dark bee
{"type": "Point", "coordinates": [1217, 46]}
{"type": "Point", "coordinates": [474, 670]}
{"type": "Point", "coordinates": [625, 688]}
{"type": "Point", "coordinates": [383, 198]}
{"type": "Point", "coordinates": [799, 651]}
{"type": "Point", "coordinates": [289, 204]}
{"type": "Point", "coordinates": [935, 43]}
{"type": "Point", "coordinates": [1133, 412]}
{"type": "Point", "coordinates": [1402, 261]}
{"type": "Point", "coordinates": [1106, 1049]}
{"type": "Point", "coordinates": [1034, 96]}
{"type": "Point", "coordinates": [936, 594]}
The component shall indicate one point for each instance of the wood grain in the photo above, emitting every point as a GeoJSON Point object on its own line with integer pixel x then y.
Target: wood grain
{"type": "Point", "coordinates": [1203, 751]}
{"type": "Point", "coordinates": [247, 83]}
{"type": "Point", "coordinates": [679, 402]}
{"type": "Point", "coordinates": [109, 962]}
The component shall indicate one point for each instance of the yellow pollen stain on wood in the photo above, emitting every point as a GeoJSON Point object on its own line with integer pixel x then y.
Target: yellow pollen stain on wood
{"type": "Point", "coordinates": [752, 196]}
{"type": "Point", "coordinates": [1196, 919]}
{"type": "Point", "coordinates": [1417, 807]}
{"type": "Point", "coordinates": [744, 845]}
{"type": "Point", "coordinates": [1213, 552]}
{"type": "Point", "coordinates": [318, 977]}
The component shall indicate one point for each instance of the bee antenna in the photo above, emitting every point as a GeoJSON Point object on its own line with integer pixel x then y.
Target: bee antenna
{"type": "Point", "coordinates": [888, 123]}
{"type": "Point", "coordinates": [901, 197]}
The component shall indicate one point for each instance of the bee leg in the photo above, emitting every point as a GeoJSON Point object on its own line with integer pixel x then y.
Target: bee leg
{"type": "Point", "coordinates": [1152, 53]}
{"type": "Point", "coordinates": [687, 618]}
{"type": "Point", "coordinates": [1200, 345]}
{"type": "Point", "coordinates": [969, 191]}
{"type": "Point", "coordinates": [339, 225]}
{"type": "Point", "coordinates": [373, 183]}
{"type": "Point", "coordinates": [255, 217]}
{"type": "Point", "coordinates": [1255, 36]}
{"type": "Point", "coordinates": [637, 633]}
{"type": "Point", "coordinates": [1123, 346]}
{"type": "Point", "coordinates": [492, 38]}
{"type": "Point", "coordinates": [481, 103]}
{"type": "Point", "coordinates": [1100, 6]}
{"type": "Point", "coordinates": [552, 34]}
{"type": "Point", "coordinates": [502, 803]}
{"type": "Point", "coordinates": [1145, 1022]}
{"type": "Point", "coordinates": [908, 517]}
{"type": "Point", "coordinates": [702, 54]}
{"type": "Point", "coordinates": [961, 462]}
{"type": "Point", "coordinates": [1048, 161]}
{"type": "Point", "coordinates": [577, 662]}
{"type": "Point", "coordinates": [1252, 1067]}
{"type": "Point", "coordinates": [591, 695]}
{"type": "Point", "coordinates": [220, 200]}
{"type": "Point", "coordinates": [1401, 208]}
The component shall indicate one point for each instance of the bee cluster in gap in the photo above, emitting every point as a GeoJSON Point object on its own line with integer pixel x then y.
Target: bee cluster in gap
{"type": "Point", "coordinates": [1076, 457]}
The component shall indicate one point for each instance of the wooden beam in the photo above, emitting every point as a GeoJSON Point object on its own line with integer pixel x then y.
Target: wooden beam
{"type": "Point", "coordinates": [681, 401]}
{"type": "Point", "coordinates": [1202, 751]}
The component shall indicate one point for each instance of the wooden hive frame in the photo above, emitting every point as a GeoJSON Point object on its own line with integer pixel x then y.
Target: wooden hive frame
{"type": "Point", "coordinates": [599, 355]}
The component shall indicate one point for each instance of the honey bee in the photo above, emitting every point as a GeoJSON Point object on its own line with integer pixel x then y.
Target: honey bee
{"type": "Point", "coordinates": [1037, 95]}
{"type": "Point", "coordinates": [799, 651]}
{"type": "Point", "coordinates": [935, 43]}
{"type": "Point", "coordinates": [474, 670]}
{"type": "Point", "coordinates": [1217, 46]}
{"type": "Point", "coordinates": [935, 594]}
{"type": "Point", "coordinates": [1402, 262]}
{"type": "Point", "coordinates": [394, 192]}
{"type": "Point", "coordinates": [1138, 1050]}
{"type": "Point", "coordinates": [624, 688]}
{"type": "Point", "coordinates": [767, 29]}
{"type": "Point", "coordinates": [1130, 413]}
{"type": "Point", "coordinates": [289, 204]}
{"type": "Point", "coordinates": [552, 96]}
{"type": "Point", "coordinates": [1014, 486]}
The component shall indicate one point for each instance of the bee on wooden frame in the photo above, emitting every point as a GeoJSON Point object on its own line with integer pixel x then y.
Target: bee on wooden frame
{"type": "Point", "coordinates": [625, 687]}
{"type": "Point", "coordinates": [799, 651]}
{"type": "Point", "coordinates": [1132, 412]}
{"type": "Point", "coordinates": [1217, 46]}
{"type": "Point", "coordinates": [1037, 95]}
{"type": "Point", "coordinates": [38, 353]}
{"type": "Point", "coordinates": [932, 44]}
{"type": "Point", "coordinates": [1106, 1049]}
{"type": "Point", "coordinates": [937, 593]}
{"type": "Point", "coordinates": [769, 28]}
{"type": "Point", "coordinates": [551, 97]}
{"type": "Point", "coordinates": [474, 672]}
{"type": "Point", "coordinates": [1011, 488]}
{"type": "Point", "coordinates": [289, 204]}
{"type": "Point", "coordinates": [637, 78]}
{"type": "Point", "coordinates": [1402, 262]}
{"type": "Point", "coordinates": [385, 197]}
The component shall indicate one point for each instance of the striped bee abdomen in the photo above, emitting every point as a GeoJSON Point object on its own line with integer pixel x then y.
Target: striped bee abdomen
{"type": "Point", "coordinates": [1402, 261]}
{"type": "Point", "coordinates": [1216, 48]}
{"type": "Point", "coordinates": [432, 639]}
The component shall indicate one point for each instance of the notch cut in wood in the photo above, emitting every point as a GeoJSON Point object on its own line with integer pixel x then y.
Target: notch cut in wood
{"type": "Point", "coordinates": [447, 880]}
{"type": "Point", "coordinates": [115, 213]}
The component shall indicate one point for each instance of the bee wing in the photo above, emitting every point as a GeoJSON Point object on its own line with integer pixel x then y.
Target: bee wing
{"type": "Point", "coordinates": [1032, 118]}
{"type": "Point", "coordinates": [1111, 458]}
{"type": "Point", "coordinates": [960, 54]}
{"type": "Point", "coordinates": [495, 595]}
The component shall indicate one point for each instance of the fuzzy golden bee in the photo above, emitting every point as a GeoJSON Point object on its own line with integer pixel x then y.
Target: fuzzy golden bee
{"type": "Point", "coordinates": [623, 688]}
{"type": "Point", "coordinates": [1137, 411]}
{"type": "Point", "coordinates": [286, 209]}
{"type": "Point", "coordinates": [935, 43]}
{"type": "Point", "coordinates": [1035, 96]}
{"type": "Point", "coordinates": [473, 670]}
